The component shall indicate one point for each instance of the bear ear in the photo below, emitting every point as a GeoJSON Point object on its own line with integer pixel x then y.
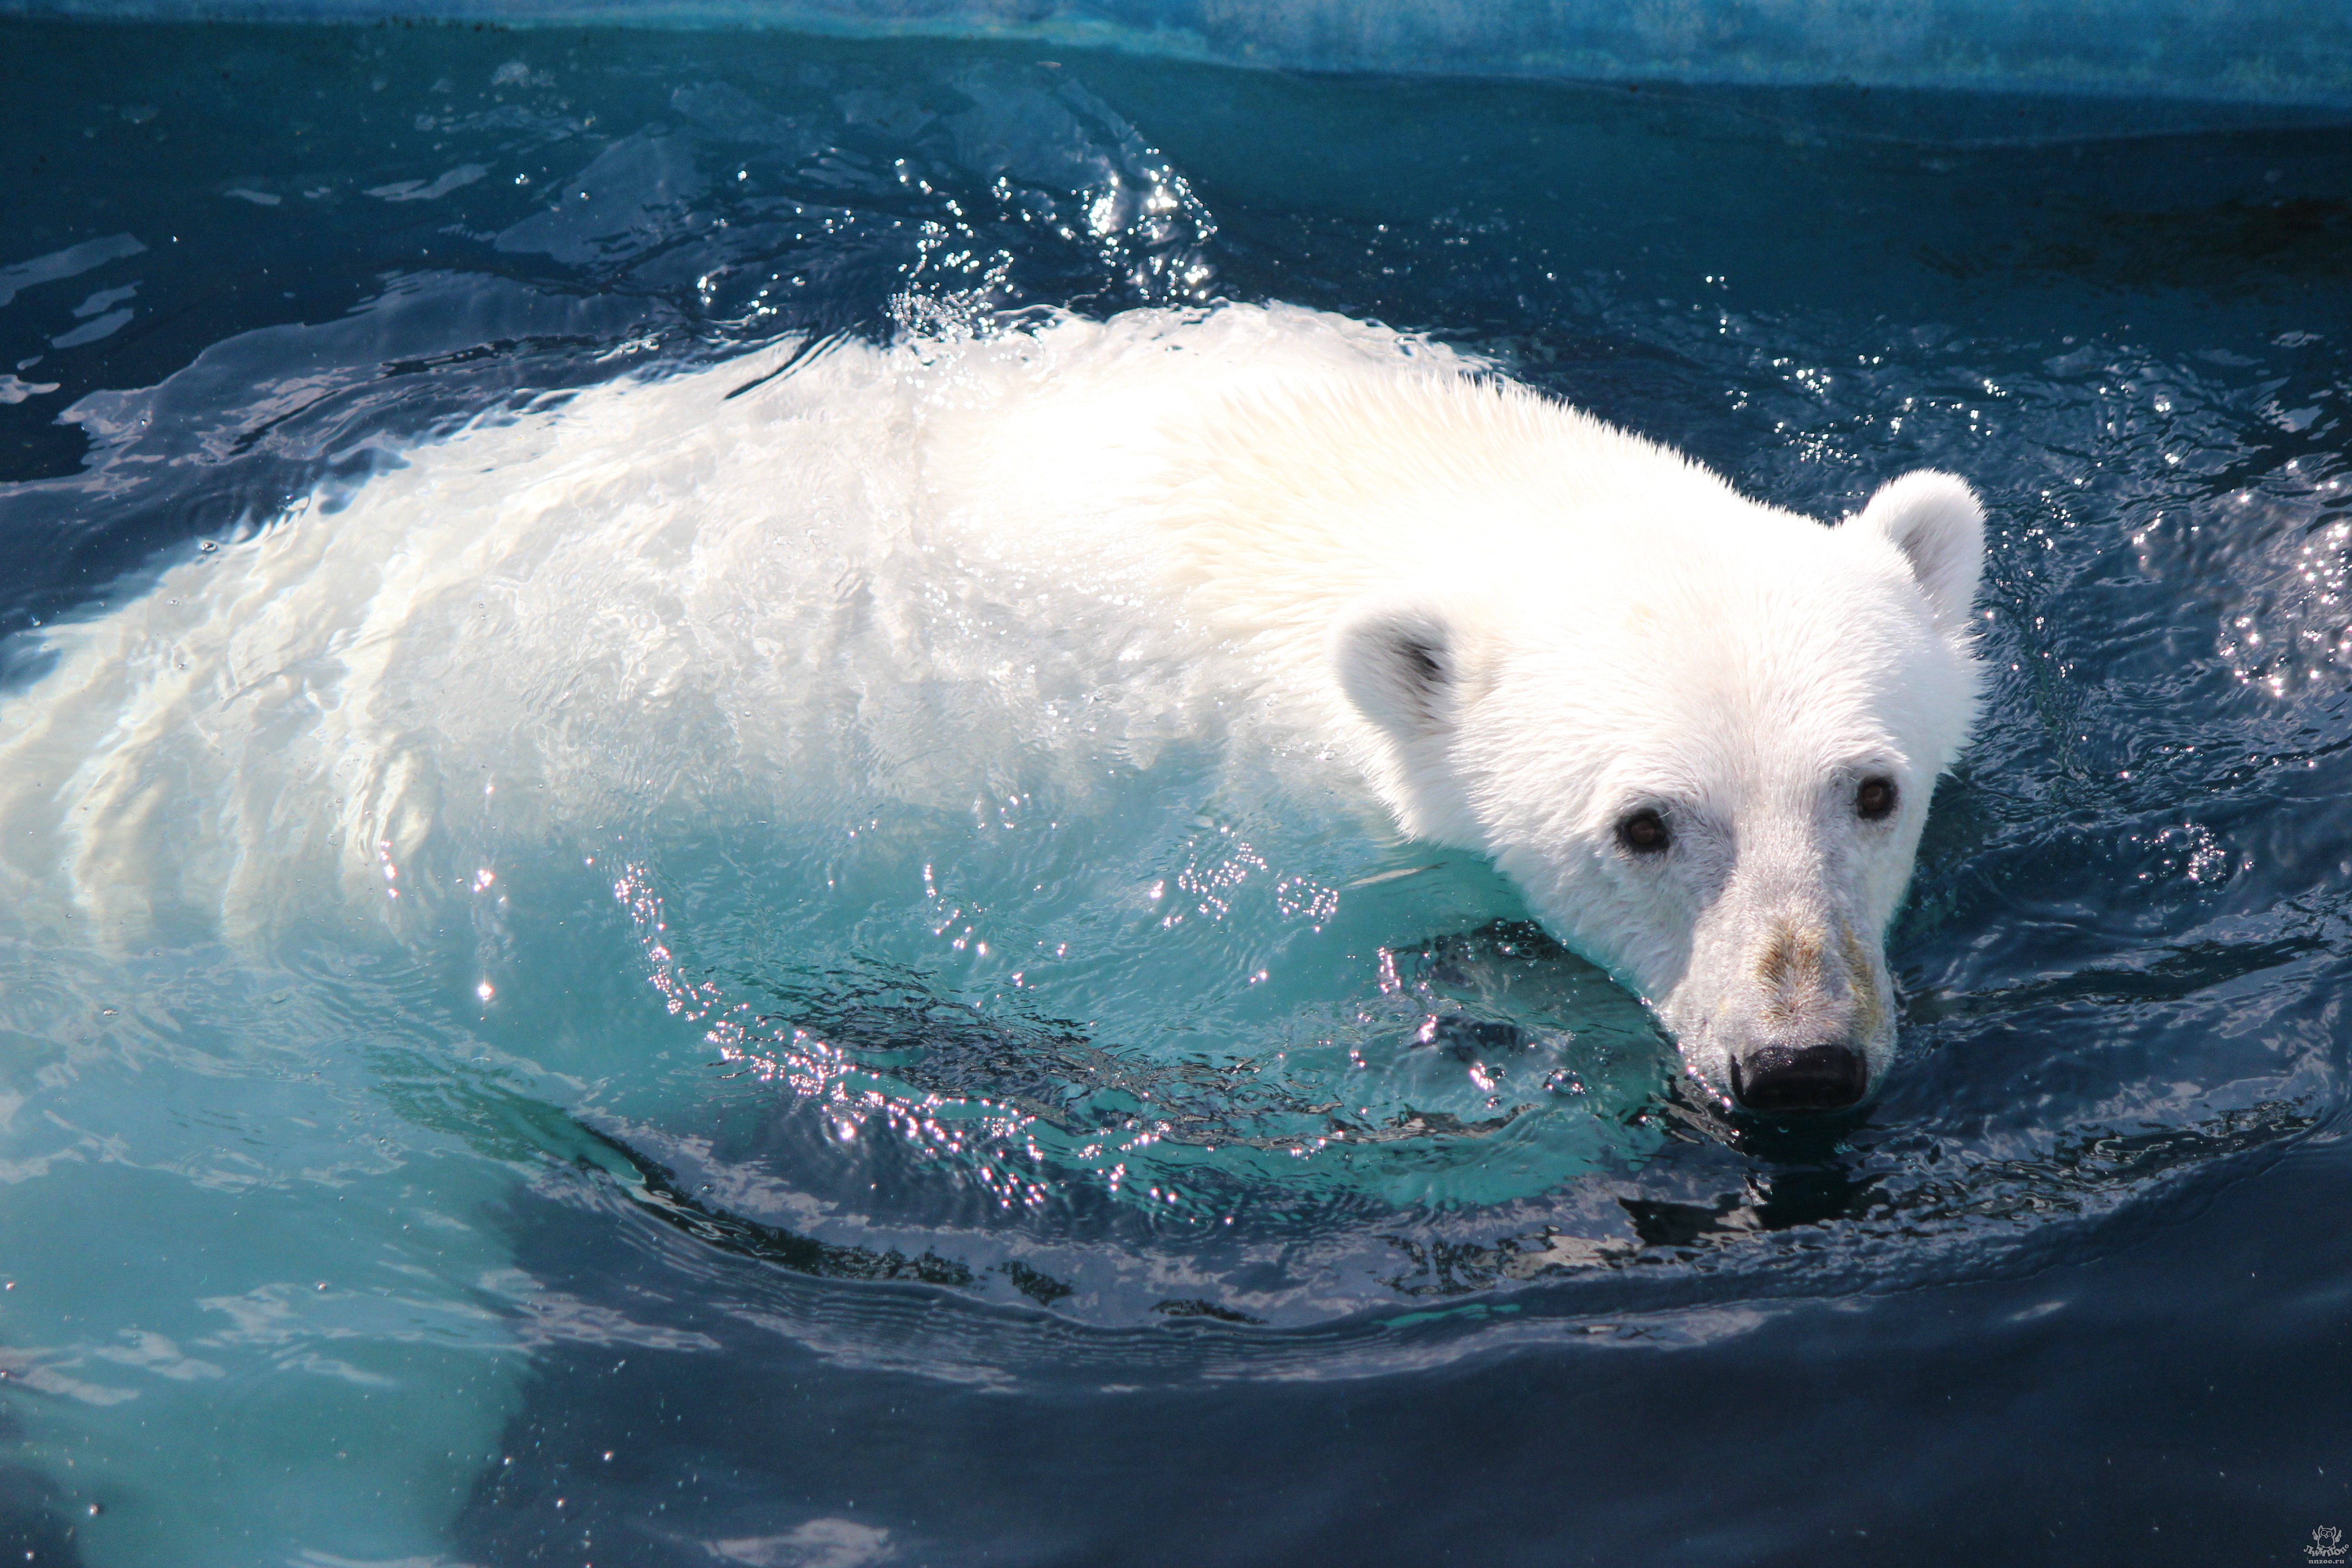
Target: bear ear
{"type": "Point", "coordinates": [1935, 522]}
{"type": "Point", "coordinates": [1403, 662]}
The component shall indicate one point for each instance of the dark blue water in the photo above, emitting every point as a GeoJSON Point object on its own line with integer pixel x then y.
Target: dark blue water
{"type": "Point", "coordinates": [2074, 1291]}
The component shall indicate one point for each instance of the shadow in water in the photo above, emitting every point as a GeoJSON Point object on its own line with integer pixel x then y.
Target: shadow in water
{"type": "Point", "coordinates": [654, 1190]}
{"type": "Point", "coordinates": [36, 1525]}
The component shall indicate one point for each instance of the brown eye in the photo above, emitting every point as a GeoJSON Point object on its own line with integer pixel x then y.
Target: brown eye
{"type": "Point", "coordinates": [1644, 833]}
{"type": "Point", "coordinates": [1875, 799]}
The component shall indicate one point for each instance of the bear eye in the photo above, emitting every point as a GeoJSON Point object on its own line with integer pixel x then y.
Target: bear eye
{"type": "Point", "coordinates": [1874, 800]}
{"type": "Point", "coordinates": [1644, 833]}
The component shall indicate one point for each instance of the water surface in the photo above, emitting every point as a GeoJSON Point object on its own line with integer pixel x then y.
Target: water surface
{"type": "Point", "coordinates": [314, 1252]}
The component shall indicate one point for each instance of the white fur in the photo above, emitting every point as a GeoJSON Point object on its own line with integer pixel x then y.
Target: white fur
{"type": "Point", "coordinates": [1518, 623]}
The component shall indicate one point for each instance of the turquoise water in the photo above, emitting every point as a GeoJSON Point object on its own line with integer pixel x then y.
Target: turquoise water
{"type": "Point", "coordinates": [675, 1176]}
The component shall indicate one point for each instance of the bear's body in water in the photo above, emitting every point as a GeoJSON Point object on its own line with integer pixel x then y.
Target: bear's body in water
{"type": "Point", "coordinates": [1698, 733]}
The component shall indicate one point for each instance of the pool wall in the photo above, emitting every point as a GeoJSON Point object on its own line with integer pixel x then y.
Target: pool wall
{"type": "Point", "coordinates": [2277, 52]}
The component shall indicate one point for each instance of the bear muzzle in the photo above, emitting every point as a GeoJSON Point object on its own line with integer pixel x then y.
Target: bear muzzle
{"type": "Point", "coordinates": [1795, 1025]}
{"type": "Point", "coordinates": [1827, 1076]}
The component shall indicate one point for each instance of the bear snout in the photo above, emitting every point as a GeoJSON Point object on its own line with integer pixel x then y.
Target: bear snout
{"type": "Point", "coordinates": [1797, 1026]}
{"type": "Point", "coordinates": [1829, 1077]}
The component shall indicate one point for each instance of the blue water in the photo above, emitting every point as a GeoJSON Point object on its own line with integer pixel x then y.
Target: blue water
{"type": "Point", "coordinates": [313, 1255]}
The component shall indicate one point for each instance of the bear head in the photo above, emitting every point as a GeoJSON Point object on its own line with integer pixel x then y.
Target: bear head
{"type": "Point", "coordinates": [1704, 750]}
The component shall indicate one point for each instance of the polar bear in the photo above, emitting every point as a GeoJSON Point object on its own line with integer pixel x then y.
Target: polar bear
{"type": "Point", "coordinates": [1699, 732]}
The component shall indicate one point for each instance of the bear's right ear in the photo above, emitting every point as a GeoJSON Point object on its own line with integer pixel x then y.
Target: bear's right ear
{"type": "Point", "coordinates": [1404, 662]}
{"type": "Point", "coordinates": [1934, 520]}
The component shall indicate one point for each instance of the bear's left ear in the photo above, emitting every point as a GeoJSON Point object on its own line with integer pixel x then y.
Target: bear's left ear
{"type": "Point", "coordinates": [1935, 522]}
{"type": "Point", "coordinates": [1404, 662]}
{"type": "Point", "coordinates": [1415, 662]}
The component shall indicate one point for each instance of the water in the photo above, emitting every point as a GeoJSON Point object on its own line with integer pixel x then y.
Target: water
{"type": "Point", "coordinates": [743, 1221]}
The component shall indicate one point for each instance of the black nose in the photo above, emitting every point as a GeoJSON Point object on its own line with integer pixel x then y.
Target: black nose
{"type": "Point", "coordinates": [1799, 1077]}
